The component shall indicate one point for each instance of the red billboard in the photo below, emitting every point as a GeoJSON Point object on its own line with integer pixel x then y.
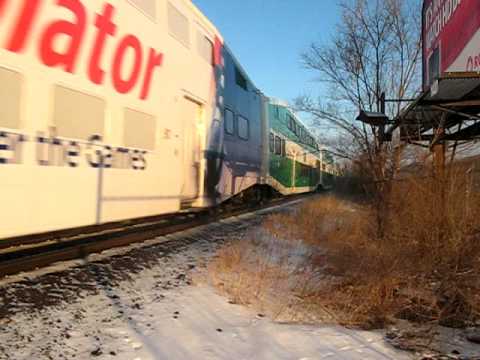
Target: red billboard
{"type": "Point", "coordinates": [451, 37]}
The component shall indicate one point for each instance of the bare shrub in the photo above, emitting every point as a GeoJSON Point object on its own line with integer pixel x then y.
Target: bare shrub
{"type": "Point", "coordinates": [270, 270]}
{"type": "Point", "coordinates": [313, 221]}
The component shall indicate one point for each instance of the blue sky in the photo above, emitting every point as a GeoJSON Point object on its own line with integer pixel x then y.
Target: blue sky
{"type": "Point", "coordinates": [267, 37]}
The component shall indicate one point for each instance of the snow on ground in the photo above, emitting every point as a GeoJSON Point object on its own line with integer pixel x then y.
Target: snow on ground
{"type": "Point", "coordinates": [141, 305]}
{"type": "Point", "coordinates": [189, 323]}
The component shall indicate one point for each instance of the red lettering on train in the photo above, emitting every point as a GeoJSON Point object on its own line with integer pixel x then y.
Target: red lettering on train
{"type": "Point", "coordinates": [154, 60]}
{"type": "Point", "coordinates": [2, 6]}
{"type": "Point", "coordinates": [105, 27]}
{"type": "Point", "coordinates": [125, 85]}
{"type": "Point", "coordinates": [217, 52]}
{"type": "Point", "coordinates": [60, 28]}
{"type": "Point", "coordinates": [23, 25]}
{"type": "Point", "coordinates": [123, 80]}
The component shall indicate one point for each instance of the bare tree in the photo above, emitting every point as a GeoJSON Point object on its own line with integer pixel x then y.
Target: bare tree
{"type": "Point", "coordinates": [375, 48]}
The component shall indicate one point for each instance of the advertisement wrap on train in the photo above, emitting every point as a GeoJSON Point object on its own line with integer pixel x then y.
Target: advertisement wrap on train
{"type": "Point", "coordinates": [127, 109]}
{"type": "Point", "coordinates": [71, 34]}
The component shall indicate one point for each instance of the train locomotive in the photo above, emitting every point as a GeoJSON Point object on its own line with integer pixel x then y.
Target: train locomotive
{"type": "Point", "coordinates": [124, 109]}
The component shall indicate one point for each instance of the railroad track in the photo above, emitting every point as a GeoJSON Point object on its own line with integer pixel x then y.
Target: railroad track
{"type": "Point", "coordinates": [29, 253]}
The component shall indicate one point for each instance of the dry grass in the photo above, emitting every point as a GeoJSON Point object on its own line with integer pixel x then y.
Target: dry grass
{"type": "Point", "coordinates": [423, 268]}
{"type": "Point", "coordinates": [267, 271]}
{"type": "Point", "coordinates": [328, 257]}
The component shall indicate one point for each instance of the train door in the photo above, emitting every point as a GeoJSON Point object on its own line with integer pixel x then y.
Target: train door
{"type": "Point", "coordinates": [190, 113]}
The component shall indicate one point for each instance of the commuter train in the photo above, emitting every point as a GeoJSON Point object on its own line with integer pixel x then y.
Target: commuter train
{"type": "Point", "coordinates": [122, 109]}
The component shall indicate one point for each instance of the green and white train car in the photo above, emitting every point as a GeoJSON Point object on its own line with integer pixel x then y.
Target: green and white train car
{"type": "Point", "coordinates": [294, 161]}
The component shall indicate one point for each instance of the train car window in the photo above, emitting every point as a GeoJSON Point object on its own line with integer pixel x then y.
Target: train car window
{"type": "Point", "coordinates": [148, 7]}
{"type": "Point", "coordinates": [178, 25]}
{"type": "Point", "coordinates": [305, 170]}
{"type": "Point", "coordinates": [291, 123]}
{"type": "Point", "coordinates": [243, 128]}
{"type": "Point", "coordinates": [10, 94]}
{"type": "Point", "coordinates": [139, 130]}
{"type": "Point", "coordinates": [278, 145]}
{"type": "Point", "coordinates": [78, 115]}
{"type": "Point", "coordinates": [205, 48]}
{"type": "Point", "coordinates": [284, 148]}
{"type": "Point", "coordinates": [277, 112]}
{"type": "Point", "coordinates": [240, 79]}
{"type": "Point", "coordinates": [272, 143]}
{"type": "Point", "coordinates": [229, 122]}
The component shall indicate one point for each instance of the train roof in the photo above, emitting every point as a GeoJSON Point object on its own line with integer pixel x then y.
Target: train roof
{"type": "Point", "coordinates": [206, 21]}
{"type": "Point", "coordinates": [285, 104]}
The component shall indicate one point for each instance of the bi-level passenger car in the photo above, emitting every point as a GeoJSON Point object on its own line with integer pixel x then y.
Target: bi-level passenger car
{"type": "Point", "coordinates": [296, 162]}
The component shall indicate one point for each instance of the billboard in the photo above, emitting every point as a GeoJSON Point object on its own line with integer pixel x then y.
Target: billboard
{"type": "Point", "coordinates": [451, 37]}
